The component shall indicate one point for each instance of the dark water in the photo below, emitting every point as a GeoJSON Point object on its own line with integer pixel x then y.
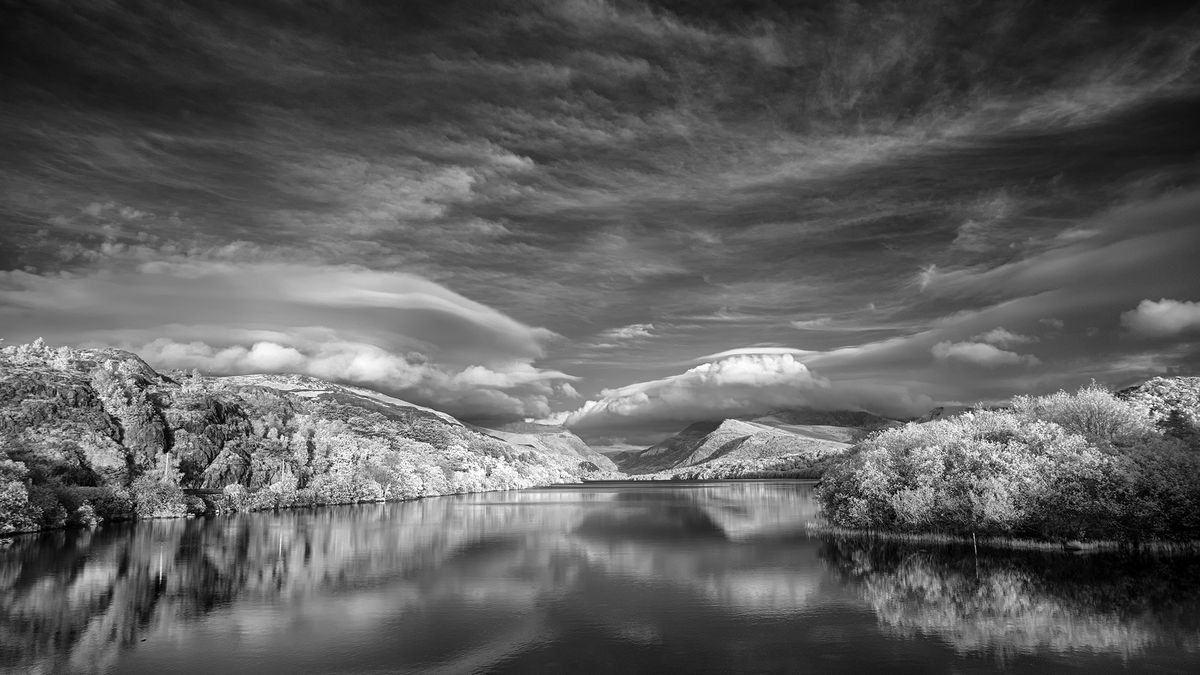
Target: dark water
{"type": "Point", "coordinates": [717, 577]}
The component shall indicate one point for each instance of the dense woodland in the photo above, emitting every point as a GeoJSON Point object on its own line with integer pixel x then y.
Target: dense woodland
{"type": "Point", "coordinates": [92, 435]}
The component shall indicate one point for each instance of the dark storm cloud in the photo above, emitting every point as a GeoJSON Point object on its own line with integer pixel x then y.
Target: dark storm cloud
{"type": "Point", "coordinates": [880, 185]}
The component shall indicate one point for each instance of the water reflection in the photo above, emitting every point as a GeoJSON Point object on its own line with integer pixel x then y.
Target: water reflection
{"type": "Point", "coordinates": [1011, 603]}
{"type": "Point", "coordinates": [702, 578]}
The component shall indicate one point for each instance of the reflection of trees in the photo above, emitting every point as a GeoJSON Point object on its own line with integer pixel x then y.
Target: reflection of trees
{"type": "Point", "coordinates": [72, 600]}
{"type": "Point", "coordinates": [1020, 602]}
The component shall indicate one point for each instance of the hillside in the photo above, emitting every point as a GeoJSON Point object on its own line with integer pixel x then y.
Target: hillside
{"type": "Point", "coordinates": [87, 434]}
{"type": "Point", "coordinates": [555, 441]}
{"type": "Point", "coordinates": [1173, 403]}
{"type": "Point", "coordinates": [795, 443]}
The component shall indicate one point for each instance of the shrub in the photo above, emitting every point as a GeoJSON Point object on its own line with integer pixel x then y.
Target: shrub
{"type": "Point", "coordinates": [986, 472]}
{"type": "Point", "coordinates": [84, 515]}
{"type": "Point", "coordinates": [17, 512]}
{"type": "Point", "coordinates": [53, 515]}
{"type": "Point", "coordinates": [194, 506]}
{"type": "Point", "coordinates": [233, 497]}
{"type": "Point", "coordinates": [1092, 412]}
{"type": "Point", "coordinates": [113, 503]}
{"type": "Point", "coordinates": [155, 497]}
{"type": "Point", "coordinates": [1083, 465]}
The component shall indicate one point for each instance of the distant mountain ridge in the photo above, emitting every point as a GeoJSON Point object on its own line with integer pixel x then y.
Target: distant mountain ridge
{"type": "Point", "coordinates": [552, 440]}
{"type": "Point", "coordinates": [783, 442]}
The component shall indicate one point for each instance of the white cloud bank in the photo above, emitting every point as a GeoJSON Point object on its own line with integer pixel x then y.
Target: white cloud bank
{"type": "Point", "coordinates": [1162, 318]}
{"type": "Point", "coordinates": [737, 382]}
{"type": "Point", "coordinates": [392, 331]}
{"type": "Point", "coordinates": [980, 354]}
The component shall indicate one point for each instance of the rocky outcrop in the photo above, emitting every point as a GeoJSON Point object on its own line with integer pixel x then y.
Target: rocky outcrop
{"type": "Point", "coordinates": [101, 430]}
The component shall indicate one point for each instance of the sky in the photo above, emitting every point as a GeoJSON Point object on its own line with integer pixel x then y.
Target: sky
{"type": "Point", "coordinates": [621, 216]}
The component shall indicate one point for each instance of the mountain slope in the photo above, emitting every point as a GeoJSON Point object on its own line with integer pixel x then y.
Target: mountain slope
{"type": "Point", "coordinates": [730, 449]}
{"type": "Point", "coordinates": [794, 442]}
{"type": "Point", "coordinates": [1173, 403]}
{"type": "Point", "coordinates": [87, 433]}
{"type": "Point", "coordinates": [552, 440]}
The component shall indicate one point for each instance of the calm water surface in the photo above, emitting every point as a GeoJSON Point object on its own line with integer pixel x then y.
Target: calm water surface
{"type": "Point", "coordinates": [622, 577]}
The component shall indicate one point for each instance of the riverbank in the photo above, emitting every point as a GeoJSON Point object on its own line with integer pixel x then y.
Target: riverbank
{"type": "Point", "coordinates": [1157, 546]}
{"type": "Point", "coordinates": [91, 435]}
{"type": "Point", "coordinates": [222, 502]}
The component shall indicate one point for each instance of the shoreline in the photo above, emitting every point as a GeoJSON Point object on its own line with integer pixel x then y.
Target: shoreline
{"type": "Point", "coordinates": [229, 512]}
{"type": "Point", "coordinates": [1162, 546]}
{"type": "Point", "coordinates": [993, 543]}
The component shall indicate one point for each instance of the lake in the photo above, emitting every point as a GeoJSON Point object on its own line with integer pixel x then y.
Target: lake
{"type": "Point", "coordinates": [612, 577]}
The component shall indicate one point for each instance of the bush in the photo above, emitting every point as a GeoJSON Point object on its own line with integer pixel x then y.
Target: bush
{"type": "Point", "coordinates": [1092, 412]}
{"type": "Point", "coordinates": [84, 516]}
{"type": "Point", "coordinates": [194, 506]}
{"type": "Point", "coordinates": [17, 512]}
{"type": "Point", "coordinates": [54, 515]}
{"type": "Point", "coordinates": [233, 497]}
{"type": "Point", "coordinates": [1083, 465]}
{"type": "Point", "coordinates": [108, 503]}
{"type": "Point", "coordinates": [113, 503]}
{"type": "Point", "coordinates": [986, 472]}
{"type": "Point", "coordinates": [154, 497]}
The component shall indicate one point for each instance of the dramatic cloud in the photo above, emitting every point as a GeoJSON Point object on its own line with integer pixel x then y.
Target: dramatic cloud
{"type": "Point", "coordinates": [1162, 318]}
{"type": "Point", "coordinates": [517, 391]}
{"type": "Point", "coordinates": [731, 385]}
{"type": "Point", "coordinates": [980, 354]}
{"type": "Point", "coordinates": [406, 334]}
{"type": "Point", "coordinates": [736, 382]}
{"type": "Point", "coordinates": [464, 203]}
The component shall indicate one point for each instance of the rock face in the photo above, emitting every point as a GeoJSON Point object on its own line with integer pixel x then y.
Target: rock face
{"type": "Point", "coordinates": [90, 424]}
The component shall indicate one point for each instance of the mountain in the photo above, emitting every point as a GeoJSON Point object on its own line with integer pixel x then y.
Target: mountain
{"type": "Point", "coordinates": [736, 448]}
{"type": "Point", "coordinates": [943, 412]}
{"type": "Point", "coordinates": [808, 417]}
{"type": "Point", "coordinates": [98, 433]}
{"type": "Point", "coordinates": [792, 442]}
{"type": "Point", "coordinates": [844, 426]}
{"type": "Point", "coordinates": [552, 440]}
